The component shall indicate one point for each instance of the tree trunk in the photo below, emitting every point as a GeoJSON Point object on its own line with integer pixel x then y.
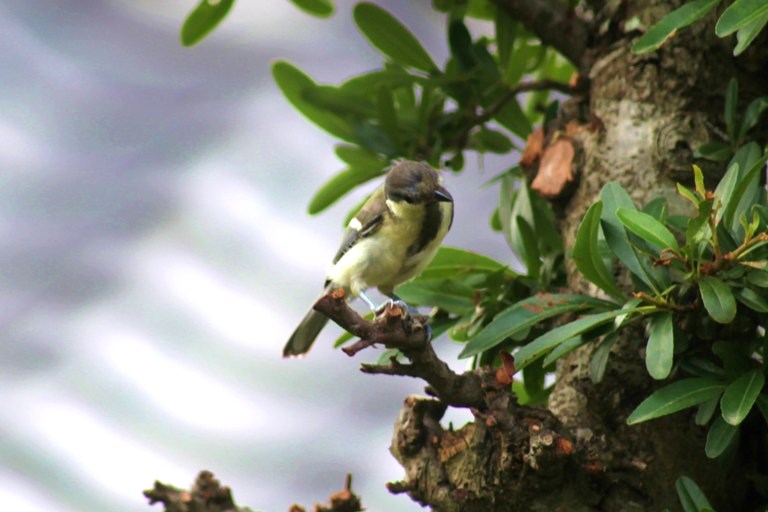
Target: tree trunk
{"type": "Point", "coordinates": [647, 114]}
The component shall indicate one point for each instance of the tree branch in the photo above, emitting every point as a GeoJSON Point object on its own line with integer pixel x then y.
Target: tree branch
{"type": "Point", "coordinates": [554, 23]}
{"type": "Point", "coordinates": [208, 495]}
{"type": "Point", "coordinates": [395, 329]}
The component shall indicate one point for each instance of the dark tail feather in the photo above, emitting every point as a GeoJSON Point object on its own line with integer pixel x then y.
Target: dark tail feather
{"type": "Point", "coordinates": [305, 334]}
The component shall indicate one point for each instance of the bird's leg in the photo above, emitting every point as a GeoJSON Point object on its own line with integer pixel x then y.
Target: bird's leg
{"type": "Point", "coordinates": [369, 302]}
{"type": "Point", "coordinates": [397, 301]}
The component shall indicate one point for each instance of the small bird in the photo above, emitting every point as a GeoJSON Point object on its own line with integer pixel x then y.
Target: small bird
{"type": "Point", "coordinates": [389, 241]}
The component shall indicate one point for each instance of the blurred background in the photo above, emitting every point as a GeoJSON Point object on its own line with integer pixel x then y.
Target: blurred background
{"type": "Point", "coordinates": [156, 254]}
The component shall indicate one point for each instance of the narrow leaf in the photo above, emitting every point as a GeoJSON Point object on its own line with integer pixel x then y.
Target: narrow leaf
{"type": "Point", "coordinates": [739, 14]}
{"type": "Point", "coordinates": [716, 151]}
{"type": "Point", "coordinates": [719, 437]}
{"type": "Point", "coordinates": [391, 37]}
{"type": "Point", "coordinates": [675, 397]}
{"type": "Point", "coordinates": [599, 360]}
{"type": "Point", "coordinates": [659, 352]}
{"type": "Point", "coordinates": [333, 189]}
{"type": "Point", "coordinates": [450, 262]}
{"type": "Point", "coordinates": [294, 84]}
{"type": "Point", "coordinates": [450, 295]}
{"type": "Point", "coordinates": [648, 228]}
{"type": "Point", "coordinates": [740, 396]}
{"type": "Point", "coordinates": [538, 347]}
{"type": "Point", "coordinates": [747, 34]}
{"type": "Point", "coordinates": [706, 411]}
{"type": "Point", "coordinates": [752, 300]}
{"type": "Point", "coordinates": [530, 243]}
{"type": "Point", "coordinates": [527, 313]}
{"type": "Point", "coordinates": [718, 299]}
{"type": "Point", "coordinates": [691, 496]}
{"type": "Point", "coordinates": [614, 197]}
{"type": "Point", "coordinates": [319, 8]}
{"type": "Point", "coordinates": [203, 19]}
{"type": "Point", "coordinates": [753, 113]}
{"type": "Point", "coordinates": [586, 255]}
{"type": "Point", "coordinates": [671, 23]}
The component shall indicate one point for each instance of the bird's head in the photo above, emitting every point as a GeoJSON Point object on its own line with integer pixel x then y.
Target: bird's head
{"type": "Point", "coordinates": [415, 183]}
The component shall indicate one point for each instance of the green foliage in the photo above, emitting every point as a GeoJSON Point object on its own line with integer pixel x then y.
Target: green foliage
{"type": "Point", "coordinates": [691, 496]}
{"type": "Point", "coordinates": [692, 278]}
{"type": "Point", "coordinates": [737, 126]}
{"type": "Point", "coordinates": [671, 23]}
{"type": "Point", "coordinates": [319, 8]}
{"type": "Point", "coordinates": [203, 19]}
{"type": "Point", "coordinates": [391, 37]}
{"type": "Point", "coordinates": [745, 17]}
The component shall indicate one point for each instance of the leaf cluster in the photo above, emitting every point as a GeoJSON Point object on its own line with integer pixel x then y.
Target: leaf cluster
{"type": "Point", "coordinates": [746, 18]}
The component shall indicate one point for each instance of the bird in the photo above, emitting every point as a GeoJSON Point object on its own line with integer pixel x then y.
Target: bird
{"type": "Point", "coordinates": [390, 240]}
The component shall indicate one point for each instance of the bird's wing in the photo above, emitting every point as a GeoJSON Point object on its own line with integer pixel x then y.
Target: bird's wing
{"type": "Point", "coordinates": [364, 224]}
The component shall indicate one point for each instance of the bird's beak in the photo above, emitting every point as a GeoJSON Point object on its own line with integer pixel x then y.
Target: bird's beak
{"type": "Point", "coordinates": [441, 194]}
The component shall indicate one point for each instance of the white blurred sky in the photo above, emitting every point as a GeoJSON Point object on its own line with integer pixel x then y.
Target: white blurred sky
{"type": "Point", "coordinates": [155, 255]}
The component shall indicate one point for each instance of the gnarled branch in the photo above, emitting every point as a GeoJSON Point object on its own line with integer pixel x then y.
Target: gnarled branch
{"type": "Point", "coordinates": [395, 329]}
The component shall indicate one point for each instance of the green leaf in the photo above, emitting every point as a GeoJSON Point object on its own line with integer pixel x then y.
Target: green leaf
{"type": "Point", "coordinates": [716, 151]}
{"type": "Point", "coordinates": [743, 190]}
{"type": "Point", "coordinates": [562, 349]}
{"type": "Point", "coordinates": [671, 23]}
{"type": "Point", "coordinates": [614, 197]}
{"type": "Point", "coordinates": [739, 14]}
{"type": "Point", "coordinates": [731, 101]}
{"type": "Point", "coordinates": [527, 313]}
{"type": "Point", "coordinates": [698, 229]}
{"type": "Point", "coordinates": [740, 396]}
{"type": "Point", "coordinates": [691, 496]}
{"type": "Point", "coordinates": [450, 262]}
{"type": "Point", "coordinates": [586, 255]}
{"type": "Point", "coordinates": [491, 140]}
{"type": "Point", "coordinates": [648, 228]}
{"type": "Point", "coordinates": [686, 193]}
{"type": "Point", "coordinates": [706, 411]}
{"type": "Point", "coordinates": [752, 300]}
{"type": "Point", "coordinates": [747, 34]}
{"type": "Point", "coordinates": [506, 32]}
{"type": "Point", "coordinates": [675, 397]}
{"type": "Point", "coordinates": [758, 278]}
{"type": "Point", "coordinates": [294, 84]}
{"type": "Point", "coordinates": [450, 295]}
{"type": "Point", "coordinates": [460, 43]}
{"type": "Point", "coordinates": [718, 299]}
{"type": "Point", "coordinates": [391, 78]}
{"type": "Point", "coordinates": [319, 8]}
{"type": "Point", "coordinates": [512, 117]}
{"type": "Point", "coordinates": [659, 352]}
{"type": "Point", "coordinates": [391, 37]}
{"type": "Point", "coordinates": [719, 437]}
{"type": "Point", "coordinates": [203, 19]}
{"type": "Point", "coordinates": [531, 247]}
{"type": "Point", "coordinates": [358, 157]}
{"type": "Point", "coordinates": [338, 186]}
{"type": "Point", "coordinates": [538, 347]}
{"type": "Point", "coordinates": [752, 114]}
{"type": "Point", "coordinates": [600, 358]}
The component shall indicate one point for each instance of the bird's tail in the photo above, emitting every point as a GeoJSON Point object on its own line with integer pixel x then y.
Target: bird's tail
{"type": "Point", "coordinates": [305, 334]}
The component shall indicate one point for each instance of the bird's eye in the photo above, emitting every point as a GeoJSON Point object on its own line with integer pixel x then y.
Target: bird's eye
{"type": "Point", "coordinates": [400, 197]}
